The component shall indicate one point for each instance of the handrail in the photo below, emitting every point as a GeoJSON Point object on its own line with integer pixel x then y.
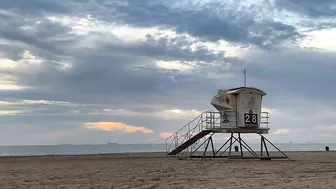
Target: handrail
{"type": "Point", "coordinates": [185, 126]}
{"type": "Point", "coordinates": [177, 136]}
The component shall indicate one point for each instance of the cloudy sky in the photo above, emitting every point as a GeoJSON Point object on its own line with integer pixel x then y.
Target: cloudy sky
{"type": "Point", "coordinates": [132, 71]}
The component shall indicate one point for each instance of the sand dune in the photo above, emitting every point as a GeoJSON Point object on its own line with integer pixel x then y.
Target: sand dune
{"type": "Point", "coordinates": [153, 170]}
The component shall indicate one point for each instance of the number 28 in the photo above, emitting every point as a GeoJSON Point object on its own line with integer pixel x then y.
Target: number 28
{"type": "Point", "coordinates": [249, 119]}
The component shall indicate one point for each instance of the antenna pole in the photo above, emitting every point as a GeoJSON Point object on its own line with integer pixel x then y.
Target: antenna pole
{"type": "Point", "coordinates": [244, 77]}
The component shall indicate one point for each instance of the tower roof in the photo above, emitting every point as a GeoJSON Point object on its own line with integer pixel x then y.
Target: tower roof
{"type": "Point", "coordinates": [240, 90]}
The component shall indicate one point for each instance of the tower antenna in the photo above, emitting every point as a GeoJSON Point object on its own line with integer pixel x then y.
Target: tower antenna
{"type": "Point", "coordinates": [244, 77]}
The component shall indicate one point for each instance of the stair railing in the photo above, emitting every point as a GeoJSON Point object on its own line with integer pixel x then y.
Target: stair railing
{"type": "Point", "coordinates": [206, 120]}
{"type": "Point", "coordinates": [185, 133]}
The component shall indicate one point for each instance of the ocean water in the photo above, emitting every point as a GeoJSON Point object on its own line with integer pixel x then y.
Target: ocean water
{"type": "Point", "coordinates": [129, 148]}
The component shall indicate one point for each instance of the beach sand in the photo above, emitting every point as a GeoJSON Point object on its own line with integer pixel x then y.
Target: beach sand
{"type": "Point", "coordinates": [154, 170]}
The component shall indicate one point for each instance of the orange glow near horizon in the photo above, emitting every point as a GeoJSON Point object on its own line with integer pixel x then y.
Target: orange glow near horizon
{"type": "Point", "coordinates": [165, 135]}
{"type": "Point", "coordinates": [112, 126]}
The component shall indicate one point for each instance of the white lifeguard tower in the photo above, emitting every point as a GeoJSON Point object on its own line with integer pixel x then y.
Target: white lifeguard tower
{"type": "Point", "coordinates": [239, 111]}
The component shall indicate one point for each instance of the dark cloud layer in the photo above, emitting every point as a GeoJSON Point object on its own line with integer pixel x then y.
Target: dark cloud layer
{"type": "Point", "coordinates": [210, 22]}
{"type": "Point", "coordinates": [307, 72]}
{"type": "Point", "coordinates": [35, 7]}
{"type": "Point", "coordinates": [312, 8]}
{"type": "Point", "coordinates": [105, 71]}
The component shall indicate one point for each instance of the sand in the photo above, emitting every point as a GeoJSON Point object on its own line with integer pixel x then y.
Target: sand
{"type": "Point", "coordinates": [153, 170]}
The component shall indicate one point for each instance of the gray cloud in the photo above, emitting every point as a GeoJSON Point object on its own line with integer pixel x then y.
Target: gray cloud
{"type": "Point", "coordinates": [312, 8]}
{"type": "Point", "coordinates": [110, 76]}
{"type": "Point", "coordinates": [308, 72]}
{"type": "Point", "coordinates": [36, 7]}
{"type": "Point", "coordinates": [43, 37]}
{"type": "Point", "coordinates": [209, 22]}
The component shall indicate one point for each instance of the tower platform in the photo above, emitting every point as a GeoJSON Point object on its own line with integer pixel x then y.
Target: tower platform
{"type": "Point", "coordinates": [241, 130]}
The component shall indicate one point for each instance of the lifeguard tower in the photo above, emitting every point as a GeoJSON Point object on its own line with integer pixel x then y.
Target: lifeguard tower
{"type": "Point", "coordinates": [239, 111]}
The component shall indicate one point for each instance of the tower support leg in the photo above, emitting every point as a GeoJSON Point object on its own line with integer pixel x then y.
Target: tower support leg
{"type": "Point", "coordinates": [222, 146]}
{"type": "Point", "coordinates": [240, 143]}
{"type": "Point", "coordinates": [230, 145]}
{"type": "Point", "coordinates": [230, 139]}
{"type": "Point", "coordinates": [205, 140]}
{"type": "Point", "coordinates": [265, 139]}
{"type": "Point", "coordinates": [206, 148]}
{"type": "Point", "coordinates": [261, 147]}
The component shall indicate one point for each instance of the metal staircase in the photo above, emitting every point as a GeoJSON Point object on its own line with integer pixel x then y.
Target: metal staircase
{"type": "Point", "coordinates": [187, 140]}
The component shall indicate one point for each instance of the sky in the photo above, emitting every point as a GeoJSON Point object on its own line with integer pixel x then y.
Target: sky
{"type": "Point", "coordinates": [130, 71]}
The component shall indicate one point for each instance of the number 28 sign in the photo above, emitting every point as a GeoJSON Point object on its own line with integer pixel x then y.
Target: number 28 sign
{"type": "Point", "coordinates": [251, 119]}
